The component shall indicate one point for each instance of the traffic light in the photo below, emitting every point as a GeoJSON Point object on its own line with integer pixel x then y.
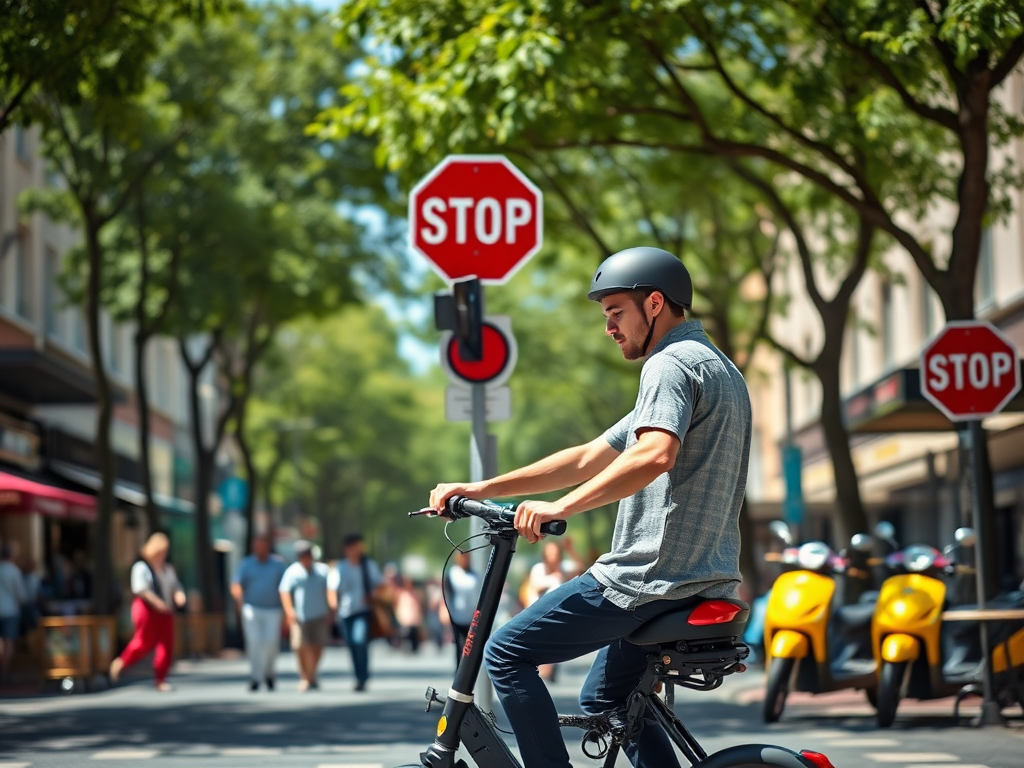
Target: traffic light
{"type": "Point", "coordinates": [461, 312]}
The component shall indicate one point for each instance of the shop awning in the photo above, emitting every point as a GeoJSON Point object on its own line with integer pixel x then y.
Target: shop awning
{"type": "Point", "coordinates": [24, 496]}
{"type": "Point", "coordinates": [33, 377]}
{"type": "Point", "coordinates": [125, 491]}
{"type": "Point", "coordinates": [894, 403]}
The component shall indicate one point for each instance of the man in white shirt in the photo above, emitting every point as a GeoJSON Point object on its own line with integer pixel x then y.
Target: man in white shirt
{"type": "Point", "coordinates": [303, 593]}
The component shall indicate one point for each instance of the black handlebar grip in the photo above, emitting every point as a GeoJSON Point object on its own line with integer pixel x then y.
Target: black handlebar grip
{"type": "Point", "coordinates": [554, 528]}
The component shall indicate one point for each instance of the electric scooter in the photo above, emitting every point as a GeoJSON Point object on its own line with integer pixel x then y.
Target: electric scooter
{"type": "Point", "coordinates": [812, 644]}
{"type": "Point", "coordinates": [695, 647]}
{"type": "Point", "coordinates": [922, 657]}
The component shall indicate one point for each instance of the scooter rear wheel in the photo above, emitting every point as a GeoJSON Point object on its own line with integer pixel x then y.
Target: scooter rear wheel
{"type": "Point", "coordinates": [889, 688]}
{"type": "Point", "coordinates": [779, 675]}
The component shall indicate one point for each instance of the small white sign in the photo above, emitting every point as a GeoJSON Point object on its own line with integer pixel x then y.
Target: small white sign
{"type": "Point", "coordinates": [458, 403]}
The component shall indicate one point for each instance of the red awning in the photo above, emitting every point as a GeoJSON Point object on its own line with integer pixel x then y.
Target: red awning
{"type": "Point", "coordinates": [19, 495]}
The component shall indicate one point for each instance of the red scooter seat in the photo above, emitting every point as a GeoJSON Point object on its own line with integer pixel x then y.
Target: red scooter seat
{"type": "Point", "coordinates": [706, 619]}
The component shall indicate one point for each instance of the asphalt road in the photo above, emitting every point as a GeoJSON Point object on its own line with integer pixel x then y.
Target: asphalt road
{"type": "Point", "coordinates": [213, 721]}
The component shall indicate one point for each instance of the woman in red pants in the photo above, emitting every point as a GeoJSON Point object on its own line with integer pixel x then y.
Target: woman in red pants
{"type": "Point", "coordinates": [154, 586]}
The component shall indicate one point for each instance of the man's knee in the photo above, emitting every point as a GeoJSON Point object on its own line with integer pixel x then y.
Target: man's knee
{"type": "Point", "coordinates": [499, 654]}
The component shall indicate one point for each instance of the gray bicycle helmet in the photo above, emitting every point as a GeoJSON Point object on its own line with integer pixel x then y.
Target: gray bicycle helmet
{"type": "Point", "coordinates": [643, 267]}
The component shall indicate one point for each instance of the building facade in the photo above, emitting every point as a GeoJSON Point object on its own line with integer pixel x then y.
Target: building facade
{"type": "Point", "coordinates": [48, 475]}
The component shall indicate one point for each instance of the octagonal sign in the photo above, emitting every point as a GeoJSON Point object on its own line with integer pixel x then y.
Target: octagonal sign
{"type": "Point", "coordinates": [969, 370]}
{"type": "Point", "coordinates": [476, 215]}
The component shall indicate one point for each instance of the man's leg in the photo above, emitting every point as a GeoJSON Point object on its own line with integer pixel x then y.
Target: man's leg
{"type": "Point", "coordinates": [270, 640]}
{"type": "Point", "coordinates": [251, 635]}
{"type": "Point", "coordinates": [565, 623]}
{"type": "Point", "coordinates": [613, 676]}
{"type": "Point", "coordinates": [357, 635]}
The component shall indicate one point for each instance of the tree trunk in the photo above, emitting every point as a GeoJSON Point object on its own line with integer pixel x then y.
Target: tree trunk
{"type": "Point", "coordinates": [142, 406]}
{"type": "Point", "coordinates": [252, 478]}
{"type": "Point", "coordinates": [103, 586]}
{"type": "Point", "coordinates": [204, 465]}
{"type": "Point", "coordinates": [852, 518]}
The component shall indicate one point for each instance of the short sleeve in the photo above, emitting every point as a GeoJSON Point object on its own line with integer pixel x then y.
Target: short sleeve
{"type": "Point", "coordinates": [618, 435]}
{"type": "Point", "coordinates": [141, 578]}
{"type": "Point", "coordinates": [288, 580]}
{"type": "Point", "coordinates": [665, 400]}
{"type": "Point", "coordinates": [334, 579]}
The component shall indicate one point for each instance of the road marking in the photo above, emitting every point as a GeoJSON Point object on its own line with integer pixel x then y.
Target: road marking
{"type": "Point", "coordinates": [125, 754]}
{"type": "Point", "coordinates": [912, 757]}
{"type": "Point", "coordinates": [15, 765]}
{"type": "Point", "coordinates": [249, 751]}
{"type": "Point", "coordinates": [862, 743]}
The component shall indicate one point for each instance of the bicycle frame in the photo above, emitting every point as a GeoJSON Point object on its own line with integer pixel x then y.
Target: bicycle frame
{"type": "Point", "coordinates": [462, 723]}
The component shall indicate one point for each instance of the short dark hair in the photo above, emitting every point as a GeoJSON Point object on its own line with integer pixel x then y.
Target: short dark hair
{"type": "Point", "coordinates": [350, 539]}
{"type": "Point", "coordinates": [639, 295]}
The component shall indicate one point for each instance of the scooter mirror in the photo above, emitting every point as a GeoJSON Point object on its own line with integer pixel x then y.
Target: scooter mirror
{"type": "Point", "coordinates": [781, 531]}
{"type": "Point", "coordinates": [885, 531]}
{"type": "Point", "coordinates": [862, 542]}
{"type": "Point", "coordinates": [964, 537]}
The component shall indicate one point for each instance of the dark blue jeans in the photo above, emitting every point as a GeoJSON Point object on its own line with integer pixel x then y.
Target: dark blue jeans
{"type": "Point", "coordinates": [566, 623]}
{"type": "Point", "coordinates": [356, 630]}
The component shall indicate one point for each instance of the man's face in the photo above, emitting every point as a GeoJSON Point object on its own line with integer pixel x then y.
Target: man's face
{"type": "Point", "coordinates": [306, 560]}
{"type": "Point", "coordinates": [261, 548]}
{"type": "Point", "coordinates": [627, 323]}
{"type": "Point", "coordinates": [354, 551]}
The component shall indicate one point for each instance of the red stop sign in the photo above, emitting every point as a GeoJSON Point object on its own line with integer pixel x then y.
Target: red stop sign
{"type": "Point", "coordinates": [969, 370]}
{"type": "Point", "coordinates": [476, 215]}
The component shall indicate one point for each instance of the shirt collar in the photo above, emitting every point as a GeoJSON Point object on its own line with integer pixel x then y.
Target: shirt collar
{"type": "Point", "coordinates": [691, 329]}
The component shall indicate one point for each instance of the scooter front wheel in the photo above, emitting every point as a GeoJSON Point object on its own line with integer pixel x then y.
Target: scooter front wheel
{"type": "Point", "coordinates": [889, 688]}
{"type": "Point", "coordinates": [779, 675]}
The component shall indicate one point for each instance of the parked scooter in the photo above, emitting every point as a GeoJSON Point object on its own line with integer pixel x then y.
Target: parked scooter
{"type": "Point", "coordinates": [811, 643]}
{"type": "Point", "coordinates": [922, 657]}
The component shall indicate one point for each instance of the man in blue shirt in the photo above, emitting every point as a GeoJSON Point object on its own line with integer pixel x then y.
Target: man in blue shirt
{"type": "Point", "coordinates": [303, 591]}
{"type": "Point", "coordinates": [350, 589]}
{"type": "Point", "coordinates": [254, 588]}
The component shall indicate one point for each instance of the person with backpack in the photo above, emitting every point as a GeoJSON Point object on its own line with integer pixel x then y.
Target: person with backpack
{"type": "Point", "coordinates": [350, 592]}
{"type": "Point", "coordinates": [156, 592]}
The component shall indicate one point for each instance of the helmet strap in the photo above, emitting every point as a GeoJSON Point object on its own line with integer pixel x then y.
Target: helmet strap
{"type": "Point", "coordinates": [650, 333]}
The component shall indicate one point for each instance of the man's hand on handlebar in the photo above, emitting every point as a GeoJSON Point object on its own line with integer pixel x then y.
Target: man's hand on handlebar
{"type": "Point", "coordinates": [530, 515]}
{"type": "Point", "coordinates": [445, 491]}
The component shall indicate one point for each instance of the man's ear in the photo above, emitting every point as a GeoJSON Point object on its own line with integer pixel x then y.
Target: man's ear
{"type": "Point", "coordinates": [657, 303]}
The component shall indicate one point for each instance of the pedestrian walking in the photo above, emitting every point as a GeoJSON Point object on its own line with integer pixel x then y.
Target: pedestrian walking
{"type": "Point", "coordinates": [351, 590]}
{"type": "Point", "coordinates": [30, 606]}
{"type": "Point", "coordinates": [12, 595]}
{"type": "Point", "coordinates": [255, 589]}
{"type": "Point", "coordinates": [408, 613]}
{"type": "Point", "coordinates": [552, 571]}
{"type": "Point", "coordinates": [303, 591]}
{"type": "Point", "coordinates": [156, 592]}
{"type": "Point", "coordinates": [462, 587]}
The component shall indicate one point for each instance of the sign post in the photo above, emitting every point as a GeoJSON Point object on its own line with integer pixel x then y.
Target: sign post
{"type": "Point", "coordinates": [970, 371]}
{"type": "Point", "coordinates": [477, 215]}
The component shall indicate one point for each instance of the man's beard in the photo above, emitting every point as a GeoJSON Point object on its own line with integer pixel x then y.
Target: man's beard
{"type": "Point", "coordinates": [632, 351]}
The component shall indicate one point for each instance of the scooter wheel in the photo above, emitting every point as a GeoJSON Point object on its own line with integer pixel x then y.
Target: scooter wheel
{"type": "Point", "coordinates": [779, 674]}
{"type": "Point", "coordinates": [889, 691]}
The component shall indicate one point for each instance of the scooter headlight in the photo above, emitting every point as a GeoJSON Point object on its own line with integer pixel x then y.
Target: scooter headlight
{"type": "Point", "coordinates": [813, 555]}
{"type": "Point", "coordinates": [919, 558]}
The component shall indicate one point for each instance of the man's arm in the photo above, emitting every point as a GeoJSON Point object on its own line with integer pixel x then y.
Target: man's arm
{"type": "Point", "coordinates": [289, 607]}
{"type": "Point", "coordinates": [653, 454]}
{"type": "Point", "coordinates": [236, 592]}
{"type": "Point", "coordinates": [552, 473]}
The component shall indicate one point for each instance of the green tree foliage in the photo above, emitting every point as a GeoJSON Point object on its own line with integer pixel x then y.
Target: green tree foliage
{"type": "Point", "coordinates": [347, 435]}
{"type": "Point", "coordinates": [75, 49]}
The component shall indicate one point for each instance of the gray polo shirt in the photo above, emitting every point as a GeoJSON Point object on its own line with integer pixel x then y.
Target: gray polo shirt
{"type": "Point", "coordinates": [679, 536]}
{"type": "Point", "coordinates": [260, 581]}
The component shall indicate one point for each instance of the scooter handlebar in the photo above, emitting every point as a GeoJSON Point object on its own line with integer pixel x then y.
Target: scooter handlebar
{"type": "Point", "coordinates": [459, 507]}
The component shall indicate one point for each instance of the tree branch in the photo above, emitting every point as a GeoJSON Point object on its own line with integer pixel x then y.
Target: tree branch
{"type": "Point", "coordinates": [789, 354]}
{"type": "Point", "coordinates": [1009, 61]}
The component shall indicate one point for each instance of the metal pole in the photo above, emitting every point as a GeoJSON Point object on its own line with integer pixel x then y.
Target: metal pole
{"type": "Point", "coordinates": [990, 712]}
{"type": "Point", "coordinates": [478, 461]}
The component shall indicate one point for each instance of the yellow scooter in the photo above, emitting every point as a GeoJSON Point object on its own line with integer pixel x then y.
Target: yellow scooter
{"type": "Point", "coordinates": [921, 657]}
{"type": "Point", "coordinates": [810, 644]}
